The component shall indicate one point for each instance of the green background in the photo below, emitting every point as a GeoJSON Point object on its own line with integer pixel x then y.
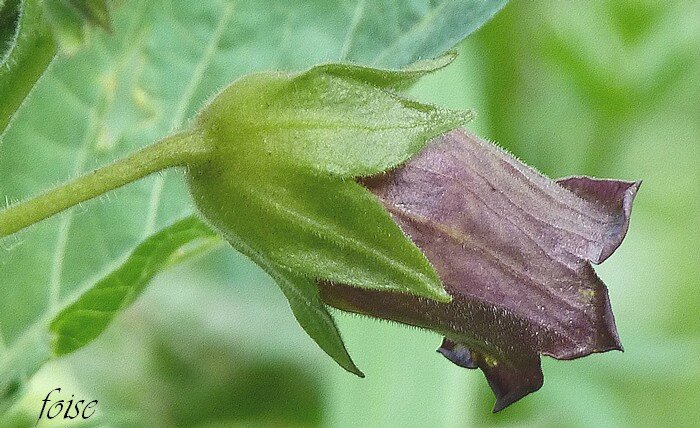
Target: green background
{"type": "Point", "coordinates": [609, 89]}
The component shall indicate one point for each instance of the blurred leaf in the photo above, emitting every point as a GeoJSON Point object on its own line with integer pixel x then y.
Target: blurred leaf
{"type": "Point", "coordinates": [223, 369]}
{"type": "Point", "coordinates": [81, 322]}
{"type": "Point", "coordinates": [26, 49]}
{"type": "Point", "coordinates": [265, 392]}
{"type": "Point", "coordinates": [67, 25]}
{"type": "Point", "coordinates": [439, 26]}
{"type": "Point", "coordinates": [10, 12]}
{"type": "Point", "coordinates": [71, 21]}
{"type": "Point", "coordinates": [163, 60]}
{"type": "Point", "coordinates": [96, 12]}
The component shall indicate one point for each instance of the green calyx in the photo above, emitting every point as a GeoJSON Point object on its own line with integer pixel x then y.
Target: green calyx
{"type": "Point", "coordinates": [272, 163]}
{"type": "Point", "coordinates": [334, 119]}
{"type": "Point", "coordinates": [285, 150]}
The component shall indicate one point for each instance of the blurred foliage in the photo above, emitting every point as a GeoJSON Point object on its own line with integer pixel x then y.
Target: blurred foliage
{"type": "Point", "coordinates": [222, 349]}
{"type": "Point", "coordinates": [608, 88]}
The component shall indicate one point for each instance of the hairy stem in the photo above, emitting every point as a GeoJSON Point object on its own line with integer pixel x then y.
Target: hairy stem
{"type": "Point", "coordinates": [177, 150]}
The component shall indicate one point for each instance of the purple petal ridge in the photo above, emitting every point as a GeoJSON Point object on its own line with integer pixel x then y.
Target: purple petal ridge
{"type": "Point", "coordinates": [614, 196]}
{"type": "Point", "coordinates": [514, 250]}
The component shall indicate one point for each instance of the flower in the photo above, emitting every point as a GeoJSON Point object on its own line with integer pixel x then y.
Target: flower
{"type": "Point", "coordinates": [513, 249]}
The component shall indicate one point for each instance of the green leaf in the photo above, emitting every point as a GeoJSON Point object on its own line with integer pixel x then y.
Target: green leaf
{"type": "Point", "coordinates": [71, 21]}
{"type": "Point", "coordinates": [330, 122]}
{"type": "Point", "coordinates": [10, 11]}
{"type": "Point", "coordinates": [414, 30]}
{"type": "Point", "coordinates": [162, 61]}
{"type": "Point", "coordinates": [66, 24]}
{"type": "Point", "coordinates": [81, 322]}
{"type": "Point", "coordinates": [27, 48]}
{"type": "Point", "coordinates": [95, 12]}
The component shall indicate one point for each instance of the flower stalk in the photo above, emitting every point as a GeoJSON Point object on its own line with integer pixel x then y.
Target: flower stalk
{"type": "Point", "coordinates": [177, 150]}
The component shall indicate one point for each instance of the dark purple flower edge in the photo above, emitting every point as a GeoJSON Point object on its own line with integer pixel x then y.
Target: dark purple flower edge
{"type": "Point", "coordinates": [513, 248]}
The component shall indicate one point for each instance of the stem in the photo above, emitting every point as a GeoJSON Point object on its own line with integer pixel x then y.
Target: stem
{"type": "Point", "coordinates": [176, 150]}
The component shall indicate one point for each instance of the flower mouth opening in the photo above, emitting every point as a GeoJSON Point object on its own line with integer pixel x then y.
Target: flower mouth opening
{"type": "Point", "coordinates": [513, 248]}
